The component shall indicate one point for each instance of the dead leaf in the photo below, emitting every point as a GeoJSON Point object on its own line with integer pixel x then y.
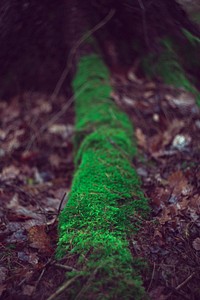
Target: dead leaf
{"type": "Point", "coordinates": [179, 183]}
{"type": "Point", "coordinates": [181, 141]}
{"type": "Point", "coordinates": [184, 203]}
{"type": "Point", "coordinates": [155, 144]}
{"type": "Point", "coordinates": [184, 101]}
{"type": "Point", "coordinates": [174, 128]}
{"type": "Point", "coordinates": [148, 94]}
{"type": "Point", "coordinates": [39, 239]}
{"type": "Point", "coordinates": [28, 290]}
{"type": "Point", "coordinates": [196, 244]}
{"type": "Point", "coordinates": [55, 160]}
{"type": "Point", "coordinates": [61, 129]}
{"type": "Point", "coordinates": [165, 216]}
{"type": "Point", "coordinates": [141, 138]}
{"type": "Point", "coordinates": [3, 274]}
{"type": "Point", "coordinates": [195, 202]}
{"type": "Point", "coordinates": [160, 196]}
{"type": "Point", "coordinates": [10, 172]}
{"type": "Point", "coordinates": [2, 289]}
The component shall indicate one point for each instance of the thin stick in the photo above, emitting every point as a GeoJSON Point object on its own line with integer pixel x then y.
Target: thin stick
{"type": "Point", "coordinates": [185, 281]}
{"type": "Point", "coordinates": [152, 276]}
{"type": "Point", "coordinates": [62, 288]}
{"type": "Point", "coordinates": [60, 206]}
{"type": "Point", "coordinates": [74, 49]}
{"type": "Point", "coordinates": [55, 117]}
{"type": "Point", "coordinates": [181, 284]}
{"type": "Point", "coordinates": [67, 268]}
{"type": "Point", "coordinates": [66, 72]}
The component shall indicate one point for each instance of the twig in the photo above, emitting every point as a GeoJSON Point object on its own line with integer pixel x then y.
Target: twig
{"type": "Point", "coordinates": [66, 72]}
{"type": "Point", "coordinates": [144, 22]}
{"type": "Point", "coordinates": [185, 281]}
{"type": "Point", "coordinates": [181, 284]}
{"type": "Point", "coordinates": [63, 287]}
{"type": "Point", "coordinates": [67, 268]}
{"type": "Point", "coordinates": [60, 206]}
{"type": "Point", "coordinates": [42, 273]}
{"type": "Point", "coordinates": [152, 276]}
{"type": "Point", "coordinates": [55, 117]}
{"type": "Point", "coordinates": [74, 49]}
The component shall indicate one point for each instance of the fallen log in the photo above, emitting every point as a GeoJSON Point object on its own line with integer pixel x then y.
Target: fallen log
{"type": "Point", "coordinates": [106, 202]}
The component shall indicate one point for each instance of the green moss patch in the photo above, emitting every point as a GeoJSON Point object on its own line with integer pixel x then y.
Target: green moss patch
{"type": "Point", "coordinates": [99, 219]}
{"type": "Point", "coordinates": [168, 66]}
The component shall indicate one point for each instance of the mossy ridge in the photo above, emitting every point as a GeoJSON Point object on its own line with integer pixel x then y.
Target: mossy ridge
{"type": "Point", "coordinates": [169, 67]}
{"type": "Point", "coordinates": [105, 194]}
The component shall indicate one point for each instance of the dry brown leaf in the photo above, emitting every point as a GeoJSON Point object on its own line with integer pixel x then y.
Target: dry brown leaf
{"type": "Point", "coordinates": [196, 244]}
{"type": "Point", "coordinates": [2, 288]}
{"type": "Point", "coordinates": [39, 239]}
{"type": "Point", "coordinates": [10, 172]}
{"type": "Point", "coordinates": [165, 216]}
{"type": "Point", "coordinates": [155, 144]}
{"type": "Point", "coordinates": [28, 290]}
{"type": "Point", "coordinates": [160, 196]}
{"type": "Point", "coordinates": [174, 128]}
{"type": "Point", "coordinates": [3, 274]}
{"type": "Point", "coordinates": [55, 160]}
{"type": "Point", "coordinates": [195, 202]}
{"type": "Point", "coordinates": [150, 85]}
{"type": "Point", "coordinates": [179, 183]}
{"type": "Point", "coordinates": [184, 203]}
{"type": "Point", "coordinates": [148, 94]}
{"type": "Point", "coordinates": [141, 138]}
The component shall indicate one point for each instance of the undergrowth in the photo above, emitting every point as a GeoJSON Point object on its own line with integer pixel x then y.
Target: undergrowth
{"type": "Point", "coordinates": [106, 201]}
{"type": "Point", "coordinates": [168, 65]}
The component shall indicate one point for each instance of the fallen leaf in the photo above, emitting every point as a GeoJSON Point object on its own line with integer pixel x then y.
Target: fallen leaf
{"type": "Point", "coordinates": [55, 160]}
{"type": "Point", "coordinates": [2, 289]}
{"type": "Point", "coordinates": [179, 183]}
{"type": "Point", "coordinates": [195, 202]}
{"type": "Point", "coordinates": [10, 172]}
{"type": "Point", "coordinates": [160, 196]}
{"type": "Point", "coordinates": [3, 274]}
{"type": "Point", "coordinates": [141, 138]}
{"type": "Point", "coordinates": [174, 128]}
{"type": "Point", "coordinates": [181, 141]}
{"type": "Point", "coordinates": [28, 290]}
{"type": "Point", "coordinates": [196, 244]}
{"type": "Point", "coordinates": [39, 239]}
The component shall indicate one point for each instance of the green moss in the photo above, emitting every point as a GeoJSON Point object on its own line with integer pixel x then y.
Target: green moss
{"type": "Point", "coordinates": [98, 219]}
{"type": "Point", "coordinates": [168, 65]}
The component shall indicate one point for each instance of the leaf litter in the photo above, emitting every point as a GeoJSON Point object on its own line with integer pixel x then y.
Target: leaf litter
{"type": "Point", "coordinates": [166, 128]}
{"type": "Point", "coordinates": [37, 167]}
{"type": "Point", "coordinates": [36, 171]}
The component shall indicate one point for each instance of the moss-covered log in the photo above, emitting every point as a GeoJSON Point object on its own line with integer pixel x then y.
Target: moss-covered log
{"type": "Point", "coordinates": [176, 65]}
{"type": "Point", "coordinates": [98, 221]}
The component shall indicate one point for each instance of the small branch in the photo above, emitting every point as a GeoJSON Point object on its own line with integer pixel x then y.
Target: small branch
{"type": "Point", "coordinates": [181, 284]}
{"type": "Point", "coordinates": [67, 268]}
{"type": "Point", "coordinates": [152, 276]}
{"type": "Point", "coordinates": [60, 206]}
{"type": "Point", "coordinates": [74, 49]}
{"type": "Point", "coordinates": [63, 287]}
{"type": "Point", "coordinates": [185, 281]}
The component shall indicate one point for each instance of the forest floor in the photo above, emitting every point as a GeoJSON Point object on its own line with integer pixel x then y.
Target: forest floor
{"type": "Point", "coordinates": [36, 159]}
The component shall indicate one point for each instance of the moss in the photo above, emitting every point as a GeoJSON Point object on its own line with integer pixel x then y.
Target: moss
{"type": "Point", "coordinates": [98, 219]}
{"type": "Point", "coordinates": [168, 66]}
